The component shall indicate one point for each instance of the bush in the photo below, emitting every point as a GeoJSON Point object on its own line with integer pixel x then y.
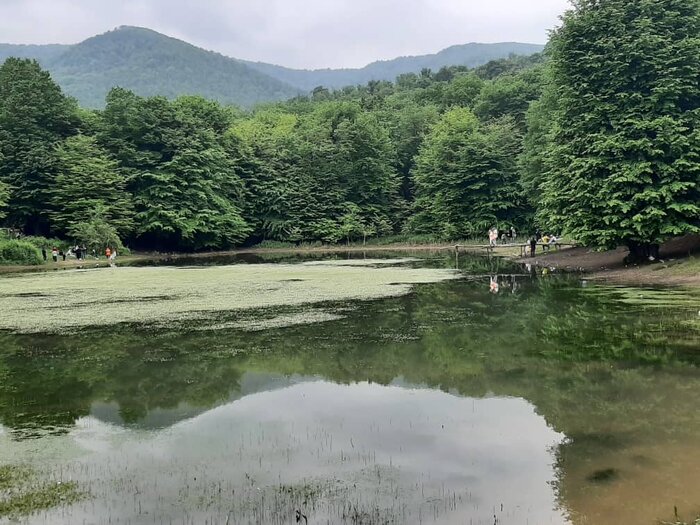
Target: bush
{"type": "Point", "coordinates": [96, 234]}
{"type": "Point", "coordinates": [19, 252]}
{"type": "Point", "coordinates": [44, 242]}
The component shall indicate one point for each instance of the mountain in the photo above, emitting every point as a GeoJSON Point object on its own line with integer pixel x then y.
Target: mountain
{"type": "Point", "coordinates": [469, 55]}
{"type": "Point", "coordinates": [150, 63]}
{"type": "Point", "coordinates": [43, 54]}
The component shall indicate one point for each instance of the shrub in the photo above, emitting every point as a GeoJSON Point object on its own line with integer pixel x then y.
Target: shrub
{"type": "Point", "coordinates": [19, 252]}
{"type": "Point", "coordinates": [44, 242]}
{"type": "Point", "coordinates": [96, 233]}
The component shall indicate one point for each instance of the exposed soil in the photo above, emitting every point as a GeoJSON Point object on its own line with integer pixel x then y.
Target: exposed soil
{"type": "Point", "coordinates": [677, 267]}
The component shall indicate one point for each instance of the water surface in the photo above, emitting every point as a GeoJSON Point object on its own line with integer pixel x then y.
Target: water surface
{"type": "Point", "coordinates": [550, 401]}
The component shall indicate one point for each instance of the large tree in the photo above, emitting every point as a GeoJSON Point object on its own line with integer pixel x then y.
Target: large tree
{"type": "Point", "coordinates": [466, 177]}
{"type": "Point", "coordinates": [186, 188]}
{"type": "Point", "coordinates": [35, 117]}
{"type": "Point", "coordinates": [88, 179]}
{"type": "Point", "coordinates": [626, 158]}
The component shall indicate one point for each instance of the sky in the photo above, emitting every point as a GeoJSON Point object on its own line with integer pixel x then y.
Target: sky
{"type": "Point", "coordinates": [293, 33]}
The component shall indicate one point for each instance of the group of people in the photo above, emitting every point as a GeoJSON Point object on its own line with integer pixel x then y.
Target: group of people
{"type": "Point", "coordinates": [510, 236]}
{"type": "Point", "coordinates": [507, 236]}
{"type": "Point", "coordinates": [547, 241]}
{"type": "Point", "coordinates": [78, 252]}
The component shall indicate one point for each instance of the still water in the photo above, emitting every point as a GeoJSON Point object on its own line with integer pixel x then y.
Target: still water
{"type": "Point", "coordinates": [551, 401]}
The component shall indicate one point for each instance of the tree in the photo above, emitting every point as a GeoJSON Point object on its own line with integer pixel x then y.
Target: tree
{"type": "Point", "coordinates": [463, 90]}
{"type": "Point", "coordinates": [466, 177]}
{"type": "Point", "coordinates": [4, 195]}
{"type": "Point", "coordinates": [626, 156]}
{"type": "Point", "coordinates": [188, 203]}
{"type": "Point", "coordinates": [95, 233]}
{"type": "Point", "coordinates": [186, 188]}
{"type": "Point", "coordinates": [509, 95]}
{"type": "Point", "coordinates": [88, 179]}
{"type": "Point", "coordinates": [535, 161]}
{"type": "Point", "coordinates": [34, 117]}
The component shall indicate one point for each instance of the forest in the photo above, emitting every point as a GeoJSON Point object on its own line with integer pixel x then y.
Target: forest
{"type": "Point", "coordinates": [597, 138]}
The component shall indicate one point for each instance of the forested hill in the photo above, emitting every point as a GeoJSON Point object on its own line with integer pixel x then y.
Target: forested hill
{"type": "Point", "coordinates": [43, 53]}
{"type": "Point", "coordinates": [149, 63]}
{"type": "Point", "coordinates": [469, 55]}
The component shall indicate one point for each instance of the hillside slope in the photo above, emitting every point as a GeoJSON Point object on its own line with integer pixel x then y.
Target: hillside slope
{"type": "Point", "coordinates": [150, 63]}
{"type": "Point", "coordinates": [42, 53]}
{"type": "Point", "coordinates": [153, 64]}
{"type": "Point", "coordinates": [470, 55]}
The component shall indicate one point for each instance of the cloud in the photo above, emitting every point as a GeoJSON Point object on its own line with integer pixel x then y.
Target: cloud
{"type": "Point", "coordinates": [295, 33]}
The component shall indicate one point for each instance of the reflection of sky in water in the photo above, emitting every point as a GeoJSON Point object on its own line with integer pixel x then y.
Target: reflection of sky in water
{"type": "Point", "coordinates": [423, 455]}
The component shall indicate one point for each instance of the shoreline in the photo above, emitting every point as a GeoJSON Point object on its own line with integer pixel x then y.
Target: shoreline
{"type": "Point", "coordinates": [677, 267]}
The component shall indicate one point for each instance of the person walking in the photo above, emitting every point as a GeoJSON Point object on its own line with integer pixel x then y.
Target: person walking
{"type": "Point", "coordinates": [108, 252]}
{"type": "Point", "coordinates": [513, 234]}
{"type": "Point", "coordinates": [493, 237]}
{"type": "Point", "coordinates": [54, 254]}
{"type": "Point", "coordinates": [533, 246]}
{"type": "Point", "coordinates": [43, 253]}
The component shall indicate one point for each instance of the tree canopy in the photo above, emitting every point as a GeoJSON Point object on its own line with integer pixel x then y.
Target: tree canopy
{"type": "Point", "coordinates": [597, 139]}
{"type": "Point", "coordinates": [626, 140]}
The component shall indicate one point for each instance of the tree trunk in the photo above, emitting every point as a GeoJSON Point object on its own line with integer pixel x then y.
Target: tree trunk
{"type": "Point", "coordinates": [642, 252]}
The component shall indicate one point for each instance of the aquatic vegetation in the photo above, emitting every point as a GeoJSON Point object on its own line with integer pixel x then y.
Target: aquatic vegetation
{"type": "Point", "coordinates": [22, 493]}
{"type": "Point", "coordinates": [60, 302]}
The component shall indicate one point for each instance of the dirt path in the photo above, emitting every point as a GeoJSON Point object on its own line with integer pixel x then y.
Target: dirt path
{"type": "Point", "coordinates": [678, 266]}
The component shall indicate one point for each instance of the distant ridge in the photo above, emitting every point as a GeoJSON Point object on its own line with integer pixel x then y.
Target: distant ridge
{"type": "Point", "coordinates": [150, 63]}
{"type": "Point", "coordinates": [469, 55]}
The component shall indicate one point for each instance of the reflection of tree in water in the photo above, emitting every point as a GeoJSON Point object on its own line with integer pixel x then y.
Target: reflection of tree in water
{"type": "Point", "coordinates": [616, 377]}
{"type": "Point", "coordinates": [50, 382]}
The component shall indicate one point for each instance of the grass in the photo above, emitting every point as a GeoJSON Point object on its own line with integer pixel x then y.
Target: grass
{"type": "Point", "coordinates": [69, 301]}
{"type": "Point", "coordinates": [22, 495]}
{"type": "Point", "coordinates": [689, 267]}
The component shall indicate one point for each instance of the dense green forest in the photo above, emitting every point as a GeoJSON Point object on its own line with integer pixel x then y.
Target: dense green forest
{"type": "Point", "coordinates": [597, 138]}
{"type": "Point", "coordinates": [149, 63]}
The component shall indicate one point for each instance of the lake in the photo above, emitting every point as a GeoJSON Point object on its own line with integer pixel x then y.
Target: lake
{"type": "Point", "coordinates": [335, 389]}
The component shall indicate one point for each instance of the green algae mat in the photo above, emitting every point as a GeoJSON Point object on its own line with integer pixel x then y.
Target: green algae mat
{"type": "Point", "coordinates": [67, 301]}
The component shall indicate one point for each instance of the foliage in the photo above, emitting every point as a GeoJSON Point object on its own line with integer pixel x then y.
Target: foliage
{"type": "Point", "coordinates": [603, 150]}
{"type": "Point", "coordinates": [625, 160]}
{"type": "Point", "coordinates": [184, 183]}
{"type": "Point", "coordinates": [96, 233]}
{"type": "Point", "coordinates": [151, 64]}
{"type": "Point", "coordinates": [466, 177]}
{"type": "Point", "coordinates": [42, 242]}
{"type": "Point", "coordinates": [19, 253]}
{"type": "Point", "coordinates": [4, 198]}
{"type": "Point", "coordinates": [34, 117]}
{"type": "Point", "coordinates": [23, 496]}
{"type": "Point", "coordinates": [509, 95]}
{"type": "Point", "coordinates": [88, 179]}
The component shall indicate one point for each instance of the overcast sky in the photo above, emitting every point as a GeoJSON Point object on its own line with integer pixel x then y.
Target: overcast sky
{"type": "Point", "coordinates": [295, 33]}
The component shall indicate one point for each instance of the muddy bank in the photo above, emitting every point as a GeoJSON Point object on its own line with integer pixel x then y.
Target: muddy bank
{"type": "Point", "coordinates": [679, 264]}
